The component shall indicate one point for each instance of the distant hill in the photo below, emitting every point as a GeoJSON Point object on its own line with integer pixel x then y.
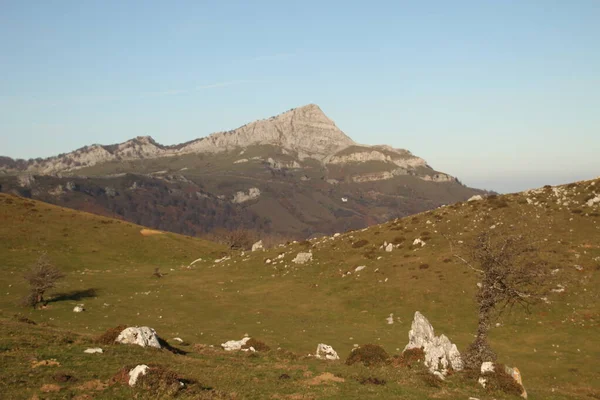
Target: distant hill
{"type": "Point", "coordinates": [296, 174]}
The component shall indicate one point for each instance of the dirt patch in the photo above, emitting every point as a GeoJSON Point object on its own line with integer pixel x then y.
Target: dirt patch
{"type": "Point", "coordinates": [50, 388]}
{"type": "Point", "coordinates": [45, 363]}
{"type": "Point", "coordinates": [324, 378]}
{"type": "Point", "coordinates": [150, 232]}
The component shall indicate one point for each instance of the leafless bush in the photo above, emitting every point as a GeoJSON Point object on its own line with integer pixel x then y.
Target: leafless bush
{"type": "Point", "coordinates": [42, 275]}
{"type": "Point", "coordinates": [511, 273]}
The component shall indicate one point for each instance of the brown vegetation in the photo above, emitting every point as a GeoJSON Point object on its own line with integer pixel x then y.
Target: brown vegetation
{"type": "Point", "coordinates": [368, 355]}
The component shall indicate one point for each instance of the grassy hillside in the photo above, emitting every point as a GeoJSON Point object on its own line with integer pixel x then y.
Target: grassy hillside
{"type": "Point", "coordinates": [192, 194]}
{"type": "Point", "coordinates": [295, 307]}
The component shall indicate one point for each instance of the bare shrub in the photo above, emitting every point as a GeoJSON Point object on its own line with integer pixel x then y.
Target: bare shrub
{"type": "Point", "coordinates": [42, 276]}
{"type": "Point", "coordinates": [511, 273]}
{"type": "Point", "coordinates": [236, 239]}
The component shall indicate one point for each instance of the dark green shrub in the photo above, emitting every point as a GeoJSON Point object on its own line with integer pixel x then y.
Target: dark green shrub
{"type": "Point", "coordinates": [360, 243]}
{"type": "Point", "coordinates": [257, 345]}
{"type": "Point", "coordinates": [368, 354]}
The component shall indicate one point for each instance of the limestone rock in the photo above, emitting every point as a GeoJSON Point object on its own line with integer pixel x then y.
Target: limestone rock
{"type": "Point", "coordinates": [142, 336]}
{"type": "Point", "coordinates": [326, 352]}
{"type": "Point", "coordinates": [79, 308]}
{"type": "Point", "coordinates": [477, 197]}
{"type": "Point", "coordinates": [487, 366]}
{"type": "Point", "coordinates": [516, 375]}
{"type": "Point", "coordinates": [389, 247]}
{"type": "Point", "coordinates": [257, 246]}
{"type": "Point", "coordinates": [241, 197]}
{"type": "Point", "coordinates": [440, 353]}
{"type": "Point", "coordinates": [390, 319]}
{"type": "Point", "coordinates": [93, 350]}
{"type": "Point", "coordinates": [234, 345]}
{"type": "Point", "coordinates": [136, 372]}
{"type": "Point", "coordinates": [418, 241]}
{"type": "Point", "coordinates": [302, 258]}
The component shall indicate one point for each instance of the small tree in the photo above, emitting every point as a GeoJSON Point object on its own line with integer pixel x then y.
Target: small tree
{"type": "Point", "coordinates": [511, 273]}
{"type": "Point", "coordinates": [42, 276]}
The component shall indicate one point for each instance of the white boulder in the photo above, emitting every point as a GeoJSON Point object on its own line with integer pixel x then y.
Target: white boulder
{"type": "Point", "coordinates": [79, 308]}
{"type": "Point", "coordinates": [360, 268]}
{"type": "Point", "coordinates": [93, 350]}
{"type": "Point", "coordinates": [487, 366]}
{"type": "Point", "coordinates": [136, 372]}
{"type": "Point", "coordinates": [235, 345]}
{"type": "Point", "coordinates": [257, 246]}
{"type": "Point", "coordinates": [140, 335]}
{"type": "Point", "coordinates": [302, 258]}
{"type": "Point", "coordinates": [593, 201]}
{"type": "Point", "coordinates": [390, 319]}
{"type": "Point", "coordinates": [477, 197]}
{"type": "Point", "coordinates": [389, 247]}
{"type": "Point", "coordinates": [326, 352]}
{"type": "Point", "coordinates": [440, 353]}
{"type": "Point", "coordinates": [418, 241]}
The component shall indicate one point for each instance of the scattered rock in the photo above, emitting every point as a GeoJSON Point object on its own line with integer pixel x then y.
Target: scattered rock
{"type": "Point", "coordinates": [516, 375]}
{"type": "Point", "coordinates": [79, 308]}
{"type": "Point", "coordinates": [302, 258]}
{"type": "Point", "coordinates": [93, 350]}
{"type": "Point", "coordinates": [142, 336]}
{"type": "Point", "coordinates": [487, 366]}
{"type": "Point", "coordinates": [390, 319]}
{"type": "Point", "coordinates": [440, 353]}
{"type": "Point", "coordinates": [418, 241]}
{"type": "Point", "coordinates": [257, 246]}
{"type": "Point", "coordinates": [325, 352]}
{"type": "Point", "coordinates": [477, 197]}
{"type": "Point", "coordinates": [135, 373]}
{"type": "Point", "coordinates": [360, 268]}
{"type": "Point", "coordinates": [389, 247]}
{"type": "Point", "coordinates": [234, 345]}
{"type": "Point", "coordinates": [593, 201]}
{"type": "Point", "coordinates": [241, 197]}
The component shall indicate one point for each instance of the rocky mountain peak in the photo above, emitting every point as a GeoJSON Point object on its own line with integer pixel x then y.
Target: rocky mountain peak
{"type": "Point", "coordinates": [306, 130]}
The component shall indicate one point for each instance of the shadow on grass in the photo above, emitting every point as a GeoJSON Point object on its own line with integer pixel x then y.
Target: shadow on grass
{"type": "Point", "coordinates": [75, 295]}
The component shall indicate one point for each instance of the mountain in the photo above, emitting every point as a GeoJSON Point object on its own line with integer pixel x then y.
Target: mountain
{"type": "Point", "coordinates": [208, 295]}
{"type": "Point", "coordinates": [296, 174]}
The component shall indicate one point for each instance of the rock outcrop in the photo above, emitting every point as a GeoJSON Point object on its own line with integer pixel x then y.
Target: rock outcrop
{"type": "Point", "coordinates": [241, 197]}
{"type": "Point", "coordinates": [136, 372]}
{"type": "Point", "coordinates": [440, 353]}
{"type": "Point", "coordinates": [257, 246]}
{"type": "Point", "coordinates": [140, 335]}
{"type": "Point", "coordinates": [235, 345]}
{"type": "Point", "coordinates": [302, 258]}
{"type": "Point", "coordinates": [326, 352]}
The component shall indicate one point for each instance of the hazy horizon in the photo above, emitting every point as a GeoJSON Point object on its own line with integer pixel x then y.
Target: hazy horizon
{"type": "Point", "coordinates": [505, 96]}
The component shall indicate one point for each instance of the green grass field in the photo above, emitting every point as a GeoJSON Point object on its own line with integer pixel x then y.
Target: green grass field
{"type": "Point", "coordinates": [109, 266]}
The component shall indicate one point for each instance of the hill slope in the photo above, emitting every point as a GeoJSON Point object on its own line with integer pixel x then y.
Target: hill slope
{"type": "Point", "coordinates": [326, 301]}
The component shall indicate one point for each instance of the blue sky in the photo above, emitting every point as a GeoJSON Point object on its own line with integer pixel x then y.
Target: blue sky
{"type": "Point", "coordinates": [503, 94]}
